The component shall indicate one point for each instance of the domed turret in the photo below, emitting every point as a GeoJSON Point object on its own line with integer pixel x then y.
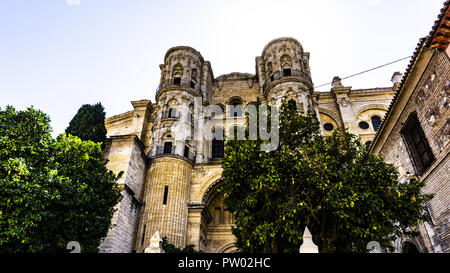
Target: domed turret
{"type": "Point", "coordinates": [283, 70]}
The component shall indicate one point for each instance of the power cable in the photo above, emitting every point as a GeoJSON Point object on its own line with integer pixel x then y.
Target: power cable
{"type": "Point", "coordinates": [368, 70]}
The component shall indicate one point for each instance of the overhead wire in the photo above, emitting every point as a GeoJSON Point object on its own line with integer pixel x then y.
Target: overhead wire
{"type": "Point", "coordinates": [368, 70]}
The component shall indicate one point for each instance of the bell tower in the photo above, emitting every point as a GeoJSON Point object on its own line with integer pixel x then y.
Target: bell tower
{"type": "Point", "coordinates": [283, 70]}
{"type": "Point", "coordinates": [172, 149]}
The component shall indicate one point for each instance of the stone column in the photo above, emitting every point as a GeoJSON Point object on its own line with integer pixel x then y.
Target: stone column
{"type": "Point", "coordinates": [195, 213]}
{"type": "Point", "coordinates": [341, 92]}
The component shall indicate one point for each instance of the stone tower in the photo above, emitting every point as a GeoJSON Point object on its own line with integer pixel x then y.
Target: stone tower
{"type": "Point", "coordinates": [283, 70]}
{"type": "Point", "coordinates": [172, 148]}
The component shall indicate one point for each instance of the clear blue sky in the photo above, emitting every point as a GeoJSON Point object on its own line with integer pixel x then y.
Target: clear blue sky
{"type": "Point", "coordinates": [60, 54]}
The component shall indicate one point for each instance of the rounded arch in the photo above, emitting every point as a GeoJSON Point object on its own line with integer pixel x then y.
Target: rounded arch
{"type": "Point", "coordinates": [235, 99]}
{"type": "Point", "coordinates": [327, 116]}
{"type": "Point", "coordinates": [410, 246]}
{"type": "Point", "coordinates": [210, 192]}
{"type": "Point", "coordinates": [167, 134]}
{"type": "Point", "coordinates": [177, 70]}
{"type": "Point", "coordinates": [330, 113]}
{"type": "Point", "coordinates": [364, 108]}
{"type": "Point", "coordinates": [228, 248]}
{"type": "Point", "coordinates": [285, 61]}
{"type": "Point", "coordinates": [370, 118]}
{"type": "Point", "coordinates": [171, 102]}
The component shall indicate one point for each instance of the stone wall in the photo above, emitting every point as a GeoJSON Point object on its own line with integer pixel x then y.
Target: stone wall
{"type": "Point", "coordinates": [427, 93]}
{"type": "Point", "coordinates": [126, 154]}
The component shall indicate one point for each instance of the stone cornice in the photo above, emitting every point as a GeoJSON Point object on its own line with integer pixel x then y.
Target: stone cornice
{"type": "Point", "coordinates": [175, 88]}
{"type": "Point", "coordinates": [119, 118]}
{"type": "Point", "coordinates": [130, 137]}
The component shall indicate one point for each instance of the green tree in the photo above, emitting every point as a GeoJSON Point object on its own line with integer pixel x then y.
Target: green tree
{"type": "Point", "coordinates": [89, 123]}
{"type": "Point", "coordinates": [52, 191]}
{"type": "Point", "coordinates": [346, 196]}
{"type": "Point", "coordinates": [171, 248]}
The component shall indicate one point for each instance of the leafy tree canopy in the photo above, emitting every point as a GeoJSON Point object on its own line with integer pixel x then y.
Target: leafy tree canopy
{"type": "Point", "coordinates": [170, 248]}
{"type": "Point", "coordinates": [52, 191]}
{"type": "Point", "coordinates": [89, 123]}
{"type": "Point", "coordinates": [346, 196]}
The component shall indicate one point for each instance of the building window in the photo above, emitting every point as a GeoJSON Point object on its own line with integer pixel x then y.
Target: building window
{"type": "Point", "coordinates": [368, 143]}
{"type": "Point", "coordinates": [166, 191]}
{"type": "Point", "coordinates": [190, 118]}
{"type": "Point", "coordinates": [143, 236]}
{"type": "Point", "coordinates": [177, 81]}
{"type": "Point", "coordinates": [236, 108]}
{"type": "Point", "coordinates": [186, 151]}
{"type": "Point", "coordinates": [376, 122]}
{"type": "Point", "coordinates": [217, 148]}
{"type": "Point", "coordinates": [172, 112]}
{"type": "Point", "coordinates": [417, 143]}
{"type": "Point", "coordinates": [328, 127]}
{"type": "Point", "coordinates": [218, 143]}
{"type": "Point", "coordinates": [364, 125]}
{"type": "Point", "coordinates": [192, 85]}
{"type": "Point", "coordinates": [286, 72]}
{"type": "Point", "coordinates": [167, 147]}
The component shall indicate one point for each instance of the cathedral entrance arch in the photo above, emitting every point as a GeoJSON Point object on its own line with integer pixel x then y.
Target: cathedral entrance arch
{"type": "Point", "coordinates": [217, 222]}
{"type": "Point", "coordinates": [409, 247]}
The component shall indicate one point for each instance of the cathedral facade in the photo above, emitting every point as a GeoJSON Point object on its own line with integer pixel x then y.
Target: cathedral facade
{"type": "Point", "coordinates": [170, 153]}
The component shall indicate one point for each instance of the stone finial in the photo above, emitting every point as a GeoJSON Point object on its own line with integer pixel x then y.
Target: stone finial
{"type": "Point", "coordinates": [336, 82]}
{"type": "Point", "coordinates": [155, 245]}
{"type": "Point", "coordinates": [308, 245]}
{"type": "Point", "coordinates": [396, 77]}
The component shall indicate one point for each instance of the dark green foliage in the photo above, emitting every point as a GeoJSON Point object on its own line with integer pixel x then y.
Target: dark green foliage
{"type": "Point", "coordinates": [89, 123]}
{"type": "Point", "coordinates": [52, 191]}
{"type": "Point", "coordinates": [170, 248]}
{"type": "Point", "coordinates": [346, 196]}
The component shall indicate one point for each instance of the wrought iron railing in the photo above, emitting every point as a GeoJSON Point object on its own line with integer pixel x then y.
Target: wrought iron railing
{"type": "Point", "coordinates": [183, 83]}
{"type": "Point", "coordinates": [167, 114]}
{"type": "Point", "coordinates": [159, 150]}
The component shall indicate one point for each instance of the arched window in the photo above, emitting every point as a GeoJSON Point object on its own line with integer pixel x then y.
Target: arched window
{"type": "Point", "coordinates": [409, 248]}
{"type": "Point", "coordinates": [376, 122]}
{"type": "Point", "coordinates": [286, 64]}
{"type": "Point", "coordinates": [167, 147]}
{"type": "Point", "coordinates": [236, 107]}
{"type": "Point", "coordinates": [177, 73]}
{"type": "Point", "coordinates": [218, 143]}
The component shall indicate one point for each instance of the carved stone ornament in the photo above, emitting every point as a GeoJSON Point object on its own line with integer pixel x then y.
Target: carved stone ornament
{"type": "Point", "coordinates": [178, 70]}
{"type": "Point", "coordinates": [286, 61]}
{"type": "Point", "coordinates": [343, 102]}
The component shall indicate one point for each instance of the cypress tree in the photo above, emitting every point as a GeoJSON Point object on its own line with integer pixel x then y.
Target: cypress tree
{"type": "Point", "coordinates": [89, 123]}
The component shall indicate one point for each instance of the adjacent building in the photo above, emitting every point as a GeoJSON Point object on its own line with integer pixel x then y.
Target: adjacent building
{"type": "Point", "coordinates": [415, 133]}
